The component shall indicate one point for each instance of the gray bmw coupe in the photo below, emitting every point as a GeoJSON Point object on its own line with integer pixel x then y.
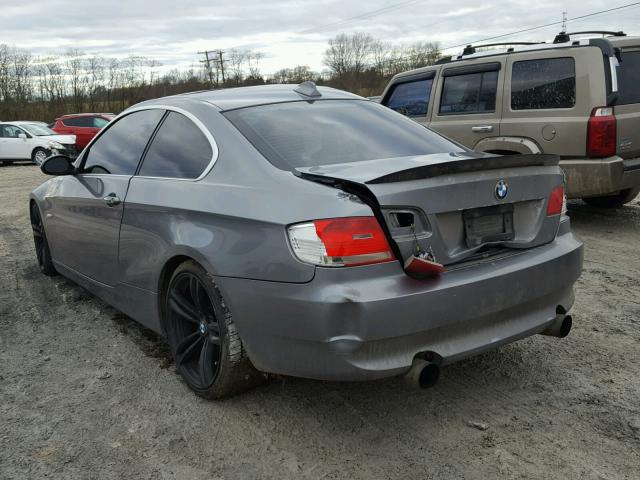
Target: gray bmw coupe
{"type": "Point", "coordinates": [306, 231]}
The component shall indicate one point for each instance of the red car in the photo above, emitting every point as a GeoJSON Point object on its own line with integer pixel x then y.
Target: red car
{"type": "Point", "coordinates": [84, 126]}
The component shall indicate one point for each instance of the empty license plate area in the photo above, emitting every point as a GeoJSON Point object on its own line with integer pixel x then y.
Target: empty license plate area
{"type": "Point", "coordinates": [488, 224]}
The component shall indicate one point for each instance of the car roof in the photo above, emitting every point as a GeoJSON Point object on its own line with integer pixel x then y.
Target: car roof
{"type": "Point", "coordinates": [241, 97]}
{"type": "Point", "coordinates": [85, 114]}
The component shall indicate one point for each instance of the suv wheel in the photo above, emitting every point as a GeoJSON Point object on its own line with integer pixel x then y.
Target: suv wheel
{"type": "Point", "coordinates": [208, 352]}
{"type": "Point", "coordinates": [613, 201]}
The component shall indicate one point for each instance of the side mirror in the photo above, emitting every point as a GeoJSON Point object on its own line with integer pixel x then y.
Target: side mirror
{"type": "Point", "coordinates": [58, 165]}
{"type": "Point", "coordinates": [22, 136]}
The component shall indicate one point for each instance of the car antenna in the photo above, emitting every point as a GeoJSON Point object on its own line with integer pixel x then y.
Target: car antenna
{"type": "Point", "coordinates": [308, 89]}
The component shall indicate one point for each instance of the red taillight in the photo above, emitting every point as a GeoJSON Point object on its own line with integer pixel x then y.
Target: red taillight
{"type": "Point", "coordinates": [601, 133]}
{"type": "Point", "coordinates": [340, 242]}
{"type": "Point", "coordinates": [556, 204]}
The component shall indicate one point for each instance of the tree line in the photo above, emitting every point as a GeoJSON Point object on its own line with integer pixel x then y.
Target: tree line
{"type": "Point", "coordinates": [45, 87]}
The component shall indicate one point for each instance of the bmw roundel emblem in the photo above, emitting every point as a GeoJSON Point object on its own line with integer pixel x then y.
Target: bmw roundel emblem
{"type": "Point", "coordinates": [501, 190]}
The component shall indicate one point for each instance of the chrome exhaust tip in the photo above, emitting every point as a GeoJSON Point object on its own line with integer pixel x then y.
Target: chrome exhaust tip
{"type": "Point", "coordinates": [560, 327]}
{"type": "Point", "coordinates": [423, 374]}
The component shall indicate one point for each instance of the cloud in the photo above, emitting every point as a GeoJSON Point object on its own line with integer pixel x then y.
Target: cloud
{"type": "Point", "coordinates": [172, 32]}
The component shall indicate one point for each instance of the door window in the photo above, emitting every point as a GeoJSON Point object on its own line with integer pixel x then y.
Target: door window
{"type": "Point", "coordinates": [543, 83]}
{"type": "Point", "coordinates": [10, 131]}
{"type": "Point", "coordinates": [99, 122]}
{"type": "Point", "coordinates": [119, 148]}
{"type": "Point", "coordinates": [469, 93]}
{"type": "Point", "coordinates": [411, 98]}
{"type": "Point", "coordinates": [78, 122]}
{"type": "Point", "coordinates": [179, 150]}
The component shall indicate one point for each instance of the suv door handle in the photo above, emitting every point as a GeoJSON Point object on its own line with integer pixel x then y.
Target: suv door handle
{"type": "Point", "coordinates": [482, 129]}
{"type": "Point", "coordinates": [112, 200]}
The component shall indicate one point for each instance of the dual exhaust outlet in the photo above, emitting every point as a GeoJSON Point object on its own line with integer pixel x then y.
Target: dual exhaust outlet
{"type": "Point", "coordinates": [424, 373]}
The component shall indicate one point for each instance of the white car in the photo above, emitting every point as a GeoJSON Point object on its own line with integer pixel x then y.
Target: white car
{"type": "Point", "coordinates": [33, 141]}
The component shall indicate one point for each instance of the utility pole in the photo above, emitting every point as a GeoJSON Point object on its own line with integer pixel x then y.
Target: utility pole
{"type": "Point", "coordinates": [564, 21]}
{"type": "Point", "coordinates": [221, 63]}
{"type": "Point", "coordinates": [212, 57]}
{"type": "Point", "coordinates": [207, 62]}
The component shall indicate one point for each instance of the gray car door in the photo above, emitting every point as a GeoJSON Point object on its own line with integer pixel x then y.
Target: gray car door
{"type": "Point", "coordinates": [87, 208]}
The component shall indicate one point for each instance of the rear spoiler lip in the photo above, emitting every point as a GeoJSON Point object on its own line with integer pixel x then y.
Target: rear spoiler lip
{"type": "Point", "coordinates": [457, 165]}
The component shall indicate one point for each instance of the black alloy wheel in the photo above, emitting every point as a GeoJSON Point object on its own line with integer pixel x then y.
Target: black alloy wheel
{"type": "Point", "coordinates": [43, 253]}
{"type": "Point", "coordinates": [197, 332]}
{"type": "Point", "coordinates": [207, 349]}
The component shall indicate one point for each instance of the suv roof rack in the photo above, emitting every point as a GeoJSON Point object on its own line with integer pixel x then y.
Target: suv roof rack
{"type": "Point", "coordinates": [442, 60]}
{"type": "Point", "coordinates": [564, 37]}
{"type": "Point", "coordinates": [471, 49]}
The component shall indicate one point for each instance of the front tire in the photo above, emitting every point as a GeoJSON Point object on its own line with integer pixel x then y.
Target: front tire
{"type": "Point", "coordinates": [39, 155]}
{"type": "Point", "coordinates": [208, 352]}
{"type": "Point", "coordinates": [43, 254]}
{"type": "Point", "coordinates": [613, 201]}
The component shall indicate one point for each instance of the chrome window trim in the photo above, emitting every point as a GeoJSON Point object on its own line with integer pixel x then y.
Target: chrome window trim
{"type": "Point", "coordinates": [613, 64]}
{"type": "Point", "coordinates": [212, 142]}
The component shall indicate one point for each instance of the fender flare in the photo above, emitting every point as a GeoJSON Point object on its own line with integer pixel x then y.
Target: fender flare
{"type": "Point", "coordinates": [520, 145]}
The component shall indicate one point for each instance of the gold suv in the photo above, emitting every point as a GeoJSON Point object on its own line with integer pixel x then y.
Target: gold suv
{"type": "Point", "coordinates": [578, 98]}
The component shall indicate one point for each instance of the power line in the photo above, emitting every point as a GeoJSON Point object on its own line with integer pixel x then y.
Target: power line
{"type": "Point", "coordinates": [601, 12]}
{"type": "Point", "coordinates": [370, 14]}
{"type": "Point", "coordinates": [565, 20]}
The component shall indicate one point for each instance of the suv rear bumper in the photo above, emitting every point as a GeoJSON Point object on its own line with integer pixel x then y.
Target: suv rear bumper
{"type": "Point", "coordinates": [590, 177]}
{"type": "Point", "coordinates": [369, 322]}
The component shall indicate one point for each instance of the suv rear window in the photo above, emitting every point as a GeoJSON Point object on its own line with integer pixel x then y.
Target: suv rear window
{"type": "Point", "coordinates": [305, 134]}
{"type": "Point", "coordinates": [411, 98]}
{"type": "Point", "coordinates": [470, 93]}
{"type": "Point", "coordinates": [543, 83]}
{"type": "Point", "coordinates": [629, 78]}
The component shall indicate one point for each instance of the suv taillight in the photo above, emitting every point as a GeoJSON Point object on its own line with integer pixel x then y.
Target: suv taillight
{"type": "Point", "coordinates": [340, 242]}
{"type": "Point", "coordinates": [601, 133]}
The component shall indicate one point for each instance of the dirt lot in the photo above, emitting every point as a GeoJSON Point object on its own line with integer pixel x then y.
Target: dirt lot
{"type": "Point", "coordinates": [86, 393]}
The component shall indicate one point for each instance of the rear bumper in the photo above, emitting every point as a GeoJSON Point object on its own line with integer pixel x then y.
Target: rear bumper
{"type": "Point", "coordinates": [588, 177]}
{"type": "Point", "coordinates": [369, 322]}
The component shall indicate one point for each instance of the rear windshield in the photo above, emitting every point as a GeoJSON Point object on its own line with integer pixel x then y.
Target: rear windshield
{"type": "Point", "coordinates": [629, 78]}
{"type": "Point", "coordinates": [305, 134]}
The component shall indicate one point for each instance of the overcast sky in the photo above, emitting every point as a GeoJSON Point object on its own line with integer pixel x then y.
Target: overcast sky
{"type": "Point", "coordinates": [288, 32]}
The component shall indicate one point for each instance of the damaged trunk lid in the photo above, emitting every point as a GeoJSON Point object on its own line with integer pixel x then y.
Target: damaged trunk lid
{"type": "Point", "coordinates": [458, 206]}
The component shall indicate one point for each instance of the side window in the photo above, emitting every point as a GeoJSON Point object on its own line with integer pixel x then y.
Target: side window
{"type": "Point", "coordinates": [118, 150]}
{"type": "Point", "coordinates": [411, 98]}
{"type": "Point", "coordinates": [179, 150]}
{"type": "Point", "coordinates": [544, 83]}
{"type": "Point", "coordinates": [98, 122]}
{"type": "Point", "coordinates": [469, 93]}
{"type": "Point", "coordinates": [629, 78]}
{"type": "Point", "coordinates": [11, 131]}
{"type": "Point", "coordinates": [73, 122]}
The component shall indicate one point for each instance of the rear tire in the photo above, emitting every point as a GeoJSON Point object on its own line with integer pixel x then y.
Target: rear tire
{"type": "Point", "coordinates": [613, 201]}
{"type": "Point", "coordinates": [204, 341]}
{"type": "Point", "coordinates": [43, 254]}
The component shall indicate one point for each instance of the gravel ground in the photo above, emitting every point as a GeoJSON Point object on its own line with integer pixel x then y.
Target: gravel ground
{"type": "Point", "coordinates": [86, 393]}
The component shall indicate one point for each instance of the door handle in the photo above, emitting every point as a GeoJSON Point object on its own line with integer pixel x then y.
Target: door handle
{"type": "Point", "coordinates": [482, 129]}
{"type": "Point", "coordinates": [112, 200]}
